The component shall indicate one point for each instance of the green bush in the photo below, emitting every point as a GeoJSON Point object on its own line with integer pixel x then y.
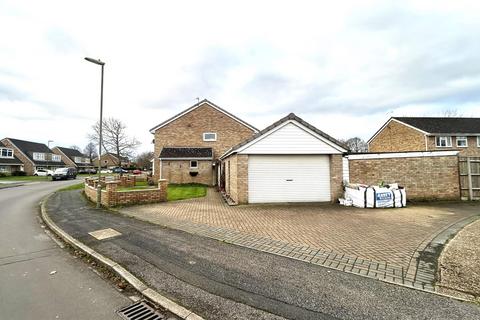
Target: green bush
{"type": "Point", "coordinates": [19, 173]}
{"type": "Point", "coordinates": [4, 174]}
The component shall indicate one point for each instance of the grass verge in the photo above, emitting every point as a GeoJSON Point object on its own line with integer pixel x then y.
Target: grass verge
{"type": "Point", "coordinates": [186, 191]}
{"type": "Point", "coordinates": [77, 186]}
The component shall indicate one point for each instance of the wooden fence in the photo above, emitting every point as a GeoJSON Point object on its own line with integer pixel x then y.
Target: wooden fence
{"type": "Point", "coordinates": [469, 178]}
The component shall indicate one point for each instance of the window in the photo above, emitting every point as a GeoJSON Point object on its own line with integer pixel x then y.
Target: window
{"type": "Point", "coordinates": [478, 141]}
{"type": "Point", "coordinates": [209, 136]}
{"type": "Point", "coordinates": [6, 153]}
{"type": "Point", "coordinates": [3, 169]}
{"type": "Point", "coordinates": [78, 159]}
{"type": "Point", "coordinates": [38, 156]}
{"type": "Point", "coordinates": [443, 141]}
{"type": "Point", "coordinates": [56, 157]}
{"type": "Point", "coordinates": [193, 164]}
{"type": "Point", "coordinates": [462, 142]}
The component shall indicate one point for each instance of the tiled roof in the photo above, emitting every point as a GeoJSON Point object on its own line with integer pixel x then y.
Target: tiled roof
{"type": "Point", "coordinates": [186, 153]}
{"type": "Point", "coordinates": [291, 116]}
{"type": "Point", "coordinates": [29, 147]}
{"type": "Point", "coordinates": [437, 125]}
{"type": "Point", "coordinates": [71, 153]}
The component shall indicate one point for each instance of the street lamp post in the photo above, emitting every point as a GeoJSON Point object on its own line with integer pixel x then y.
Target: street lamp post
{"type": "Point", "coordinates": [99, 187]}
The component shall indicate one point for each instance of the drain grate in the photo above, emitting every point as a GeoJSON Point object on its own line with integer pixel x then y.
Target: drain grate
{"type": "Point", "coordinates": [140, 311]}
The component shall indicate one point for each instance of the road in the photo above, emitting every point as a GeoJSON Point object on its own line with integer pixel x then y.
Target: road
{"type": "Point", "coordinates": [223, 281]}
{"type": "Point", "coordinates": [28, 256]}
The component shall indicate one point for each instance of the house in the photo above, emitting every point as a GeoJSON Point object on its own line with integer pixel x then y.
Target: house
{"type": "Point", "coordinates": [400, 134]}
{"type": "Point", "coordinates": [289, 161]}
{"type": "Point", "coordinates": [9, 163]}
{"type": "Point", "coordinates": [73, 158]}
{"type": "Point", "coordinates": [34, 155]}
{"type": "Point", "coordinates": [110, 160]}
{"type": "Point", "coordinates": [188, 145]}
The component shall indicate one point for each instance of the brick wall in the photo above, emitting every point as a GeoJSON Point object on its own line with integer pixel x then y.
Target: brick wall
{"type": "Point", "coordinates": [111, 197]}
{"type": "Point", "coordinates": [424, 178]}
{"type": "Point", "coordinates": [178, 171]}
{"type": "Point", "coordinates": [187, 131]}
{"type": "Point", "coordinates": [336, 177]}
{"type": "Point", "coordinates": [28, 165]}
{"type": "Point", "coordinates": [238, 188]}
{"type": "Point", "coordinates": [396, 137]}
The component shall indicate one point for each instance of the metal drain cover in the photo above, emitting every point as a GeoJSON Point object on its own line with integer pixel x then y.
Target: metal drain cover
{"type": "Point", "coordinates": [141, 310]}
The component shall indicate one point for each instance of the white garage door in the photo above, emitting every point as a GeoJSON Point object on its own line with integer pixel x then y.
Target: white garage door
{"type": "Point", "coordinates": [288, 178]}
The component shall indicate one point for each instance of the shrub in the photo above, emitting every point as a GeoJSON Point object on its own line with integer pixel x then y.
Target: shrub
{"type": "Point", "coordinates": [4, 174]}
{"type": "Point", "coordinates": [19, 173]}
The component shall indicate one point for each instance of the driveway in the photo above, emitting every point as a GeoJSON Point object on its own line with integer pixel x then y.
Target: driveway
{"type": "Point", "coordinates": [347, 238]}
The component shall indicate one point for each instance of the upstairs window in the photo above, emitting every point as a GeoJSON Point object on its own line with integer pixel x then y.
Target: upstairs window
{"type": "Point", "coordinates": [6, 153]}
{"type": "Point", "coordinates": [443, 141]}
{"type": "Point", "coordinates": [478, 141]}
{"type": "Point", "coordinates": [39, 156]}
{"type": "Point", "coordinates": [209, 136]}
{"type": "Point", "coordinates": [193, 164]}
{"type": "Point", "coordinates": [462, 142]}
{"type": "Point", "coordinates": [56, 158]}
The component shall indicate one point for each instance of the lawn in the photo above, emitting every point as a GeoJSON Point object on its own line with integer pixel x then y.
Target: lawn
{"type": "Point", "coordinates": [186, 191]}
{"type": "Point", "coordinates": [25, 178]}
{"type": "Point", "coordinates": [77, 186]}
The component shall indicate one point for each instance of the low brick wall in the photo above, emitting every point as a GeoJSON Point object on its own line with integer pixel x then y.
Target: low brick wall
{"type": "Point", "coordinates": [111, 197]}
{"type": "Point", "coordinates": [424, 178]}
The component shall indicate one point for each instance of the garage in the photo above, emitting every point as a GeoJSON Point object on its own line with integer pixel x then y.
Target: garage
{"type": "Point", "coordinates": [289, 161]}
{"type": "Point", "coordinates": [288, 178]}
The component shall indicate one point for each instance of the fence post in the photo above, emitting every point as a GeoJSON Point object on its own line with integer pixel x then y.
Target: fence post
{"type": "Point", "coordinates": [469, 172]}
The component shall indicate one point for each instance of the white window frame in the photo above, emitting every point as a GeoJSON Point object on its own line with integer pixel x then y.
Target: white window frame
{"type": "Point", "coordinates": [447, 139]}
{"type": "Point", "coordinates": [210, 139]}
{"type": "Point", "coordinates": [56, 158]}
{"type": "Point", "coordinates": [3, 169]}
{"type": "Point", "coordinates": [192, 167]}
{"type": "Point", "coordinates": [9, 153]}
{"type": "Point", "coordinates": [39, 156]}
{"type": "Point", "coordinates": [462, 138]}
{"type": "Point", "coordinates": [478, 141]}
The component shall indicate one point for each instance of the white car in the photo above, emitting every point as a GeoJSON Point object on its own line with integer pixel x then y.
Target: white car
{"type": "Point", "coordinates": [106, 171]}
{"type": "Point", "coordinates": [43, 173]}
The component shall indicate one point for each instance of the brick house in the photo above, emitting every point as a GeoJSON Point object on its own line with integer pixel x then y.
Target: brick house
{"type": "Point", "coordinates": [289, 161]}
{"type": "Point", "coordinates": [9, 162]}
{"type": "Point", "coordinates": [188, 145]}
{"type": "Point", "coordinates": [34, 155]}
{"type": "Point", "coordinates": [110, 160]}
{"type": "Point", "coordinates": [73, 158]}
{"type": "Point", "coordinates": [400, 134]}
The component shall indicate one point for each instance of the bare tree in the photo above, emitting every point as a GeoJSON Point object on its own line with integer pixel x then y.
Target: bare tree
{"type": "Point", "coordinates": [356, 145]}
{"type": "Point", "coordinates": [115, 139]}
{"type": "Point", "coordinates": [90, 151]}
{"type": "Point", "coordinates": [75, 147]}
{"type": "Point", "coordinates": [451, 113]}
{"type": "Point", "coordinates": [143, 160]}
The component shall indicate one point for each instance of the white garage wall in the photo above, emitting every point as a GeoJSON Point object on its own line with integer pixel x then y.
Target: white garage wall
{"type": "Point", "coordinates": [290, 139]}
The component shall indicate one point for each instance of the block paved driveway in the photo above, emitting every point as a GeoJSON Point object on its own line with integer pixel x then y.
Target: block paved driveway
{"type": "Point", "coordinates": [309, 231]}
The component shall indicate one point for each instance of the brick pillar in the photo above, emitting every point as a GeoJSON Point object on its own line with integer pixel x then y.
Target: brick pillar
{"type": "Point", "coordinates": [111, 194]}
{"type": "Point", "coordinates": [163, 186]}
{"type": "Point", "coordinates": [336, 176]}
{"type": "Point", "coordinates": [123, 181]}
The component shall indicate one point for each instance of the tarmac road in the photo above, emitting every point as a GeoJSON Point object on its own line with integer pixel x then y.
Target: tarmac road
{"type": "Point", "coordinates": [28, 256]}
{"type": "Point", "coordinates": [222, 281]}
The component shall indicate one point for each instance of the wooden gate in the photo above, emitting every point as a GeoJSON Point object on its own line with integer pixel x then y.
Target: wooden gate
{"type": "Point", "coordinates": [469, 178]}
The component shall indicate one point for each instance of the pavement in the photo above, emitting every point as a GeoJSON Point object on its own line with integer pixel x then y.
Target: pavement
{"type": "Point", "coordinates": [38, 279]}
{"type": "Point", "coordinates": [386, 244]}
{"type": "Point", "coordinates": [460, 263]}
{"type": "Point", "coordinates": [222, 281]}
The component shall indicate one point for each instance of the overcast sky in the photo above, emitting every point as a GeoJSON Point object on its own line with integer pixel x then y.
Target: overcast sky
{"type": "Point", "coordinates": [344, 67]}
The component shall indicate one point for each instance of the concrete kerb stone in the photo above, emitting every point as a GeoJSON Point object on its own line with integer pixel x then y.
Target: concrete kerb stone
{"type": "Point", "coordinates": [147, 292]}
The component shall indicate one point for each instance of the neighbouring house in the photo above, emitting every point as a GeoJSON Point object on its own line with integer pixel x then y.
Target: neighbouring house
{"type": "Point", "coordinates": [34, 155]}
{"type": "Point", "coordinates": [188, 145]}
{"type": "Point", "coordinates": [401, 134]}
{"type": "Point", "coordinates": [73, 158]}
{"type": "Point", "coordinates": [9, 163]}
{"type": "Point", "coordinates": [289, 161]}
{"type": "Point", "coordinates": [110, 160]}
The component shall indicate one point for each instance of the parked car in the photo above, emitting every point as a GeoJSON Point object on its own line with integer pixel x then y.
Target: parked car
{"type": "Point", "coordinates": [105, 171]}
{"type": "Point", "coordinates": [119, 170]}
{"type": "Point", "coordinates": [43, 173]}
{"type": "Point", "coordinates": [136, 171]}
{"type": "Point", "coordinates": [88, 170]}
{"type": "Point", "coordinates": [64, 174]}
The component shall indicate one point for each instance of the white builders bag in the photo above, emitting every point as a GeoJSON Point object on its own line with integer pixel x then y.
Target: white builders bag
{"type": "Point", "coordinates": [363, 196]}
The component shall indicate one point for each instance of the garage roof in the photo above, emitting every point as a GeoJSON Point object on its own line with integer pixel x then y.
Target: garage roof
{"type": "Point", "coordinates": [290, 117]}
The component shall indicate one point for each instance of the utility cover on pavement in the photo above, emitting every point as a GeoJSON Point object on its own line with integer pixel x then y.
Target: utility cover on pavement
{"type": "Point", "coordinates": [140, 310]}
{"type": "Point", "coordinates": [104, 234]}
